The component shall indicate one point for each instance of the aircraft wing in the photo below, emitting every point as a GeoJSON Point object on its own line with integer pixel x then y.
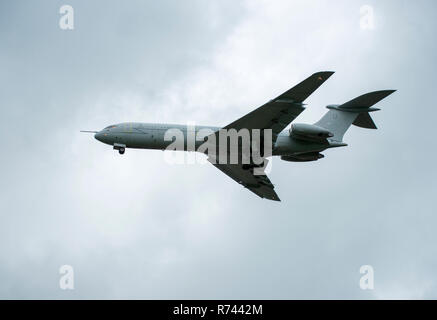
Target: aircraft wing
{"type": "Point", "coordinates": [276, 115]}
{"type": "Point", "coordinates": [258, 184]}
{"type": "Point", "coordinates": [279, 112]}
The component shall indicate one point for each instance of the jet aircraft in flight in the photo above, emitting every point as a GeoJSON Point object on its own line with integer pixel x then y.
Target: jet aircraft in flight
{"type": "Point", "coordinates": [300, 143]}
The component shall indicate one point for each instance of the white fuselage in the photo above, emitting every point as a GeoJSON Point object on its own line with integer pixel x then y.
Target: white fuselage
{"type": "Point", "coordinates": [159, 136]}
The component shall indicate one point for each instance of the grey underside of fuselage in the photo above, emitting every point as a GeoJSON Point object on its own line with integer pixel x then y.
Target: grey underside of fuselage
{"type": "Point", "coordinates": [160, 136]}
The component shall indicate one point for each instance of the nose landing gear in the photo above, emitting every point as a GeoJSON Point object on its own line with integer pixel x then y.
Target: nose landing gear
{"type": "Point", "coordinates": [120, 147]}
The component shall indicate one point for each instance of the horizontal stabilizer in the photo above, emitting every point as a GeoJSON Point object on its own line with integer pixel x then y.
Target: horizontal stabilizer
{"type": "Point", "coordinates": [365, 101]}
{"type": "Point", "coordinates": [339, 117]}
{"type": "Point", "coordinates": [364, 120]}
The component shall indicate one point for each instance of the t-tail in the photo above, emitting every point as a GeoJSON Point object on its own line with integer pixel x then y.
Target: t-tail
{"type": "Point", "coordinates": [340, 117]}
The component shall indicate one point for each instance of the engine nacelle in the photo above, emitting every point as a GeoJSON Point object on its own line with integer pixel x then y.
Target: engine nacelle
{"type": "Point", "coordinates": [305, 157]}
{"type": "Point", "coordinates": [311, 131]}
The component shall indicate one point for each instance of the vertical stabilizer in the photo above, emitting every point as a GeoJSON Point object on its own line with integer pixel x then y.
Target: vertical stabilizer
{"type": "Point", "coordinates": [340, 117]}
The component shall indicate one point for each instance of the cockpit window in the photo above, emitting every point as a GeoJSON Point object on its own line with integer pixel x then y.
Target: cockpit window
{"type": "Point", "coordinates": [110, 127]}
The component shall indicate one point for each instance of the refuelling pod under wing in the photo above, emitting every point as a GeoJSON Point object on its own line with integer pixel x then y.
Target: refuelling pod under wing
{"type": "Point", "coordinates": [304, 157]}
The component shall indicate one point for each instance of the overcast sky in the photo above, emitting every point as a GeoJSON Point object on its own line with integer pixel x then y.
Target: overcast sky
{"type": "Point", "coordinates": [134, 226]}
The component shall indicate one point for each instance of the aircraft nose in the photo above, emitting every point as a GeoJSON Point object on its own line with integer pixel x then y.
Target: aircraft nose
{"type": "Point", "coordinates": [98, 136]}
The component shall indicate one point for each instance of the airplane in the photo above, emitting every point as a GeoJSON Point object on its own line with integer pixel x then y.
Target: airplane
{"type": "Point", "coordinates": [300, 143]}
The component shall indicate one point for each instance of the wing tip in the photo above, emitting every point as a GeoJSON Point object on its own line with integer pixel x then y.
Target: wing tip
{"type": "Point", "coordinates": [386, 92]}
{"type": "Point", "coordinates": [273, 198]}
{"type": "Point", "coordinates": [389, 92]}
{"type": "Point", "coordinates": [325, 73]}
{"type": "Point", "coordinates": [322, 76]}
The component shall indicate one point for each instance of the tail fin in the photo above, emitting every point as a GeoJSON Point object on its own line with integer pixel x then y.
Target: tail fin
{"type": "Point", "coordinates": [340, 117]}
